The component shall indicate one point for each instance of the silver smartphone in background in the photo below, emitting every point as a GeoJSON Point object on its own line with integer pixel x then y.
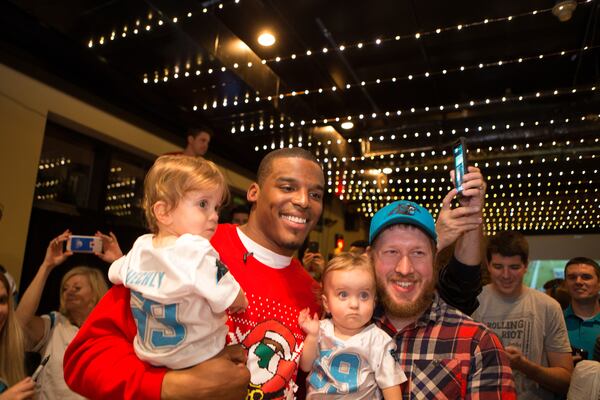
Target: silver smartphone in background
{"type": "Point", "coordinates": [84, 244]}
{"type": "Point", "coordinates": [459, 152]}
{"type": "Point", "coordinates": [40, 367]}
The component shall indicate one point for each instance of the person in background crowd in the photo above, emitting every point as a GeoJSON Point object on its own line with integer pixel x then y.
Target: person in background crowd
{"type": "Point", "coordinates": [359, 246]}
{"type": "Point", "coordinates": [13, 382]}
{"type": "Point", "coordinates": [346, 354]}
{"type": "Point", "coordinates": [529, 323]}
{"type": "Point", "coordinates": [286, 204]}
{"type": "Point", "coordinates": [582, 276]}
{"type": "Point", "coordinates": [557, 289]}
{"type": "Point", "coordinates": [444, 353]}
{"type": "Point", "coordinates": [551, 285]}
{"type": "Point", "coordinates": [198, 140]}
{"type": "Point", "coordinates": [81, 289]}
{"type": "Point", "coordinates": [12, 286]}
{"type": "Point", "coordinates": [240, 215]}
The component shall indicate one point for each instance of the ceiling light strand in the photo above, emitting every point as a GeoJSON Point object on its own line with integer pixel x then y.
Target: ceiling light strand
{"type": "Point", "coordinates": [479, 130]}
{"type": "Point", "coordinates": [380, 40]}
{"type": "Point", "coordinates": [151, 22]}
{"type": "Point", "coordinates": [168, 74]}
{"type": "Point", "coordinates": [454, 107]}
{"type": "Point", "coordinates": [478, 66]}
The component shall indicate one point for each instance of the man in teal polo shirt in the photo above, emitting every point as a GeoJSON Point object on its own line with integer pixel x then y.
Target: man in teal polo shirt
{"type": "Point", "coordinates": [582, 276]}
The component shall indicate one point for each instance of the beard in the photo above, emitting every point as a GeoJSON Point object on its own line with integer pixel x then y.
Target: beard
{"type": "Point", "coordinates": [296, 240]}
{"type": "Point", "coordinates": [406, 310]}
{"type": "Point", "coordinates": [291, 245]}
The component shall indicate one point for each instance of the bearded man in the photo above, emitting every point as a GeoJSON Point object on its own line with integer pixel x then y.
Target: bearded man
{"type": "Point", "coordinates": [444, 353]}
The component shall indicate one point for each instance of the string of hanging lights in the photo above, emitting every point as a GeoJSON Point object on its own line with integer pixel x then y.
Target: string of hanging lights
{"type": "Point", "coordinates": [151, 21]}
{"type": "Point", "coordinates": [255, 98]}
{"type": "Point", "coordinates": [478, 130]}
{"type": "Point", "coordinates": [380, 40]}
{"type": "Point", "coordinates": [260, 125]}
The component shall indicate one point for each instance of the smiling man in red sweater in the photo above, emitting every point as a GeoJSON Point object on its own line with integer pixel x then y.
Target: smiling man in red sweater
{"type": "Point", "coordinates": [287, 203]}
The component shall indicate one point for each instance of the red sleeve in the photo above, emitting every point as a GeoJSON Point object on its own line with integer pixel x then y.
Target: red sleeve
{"type": "Point", "coordinates": [100, 362]}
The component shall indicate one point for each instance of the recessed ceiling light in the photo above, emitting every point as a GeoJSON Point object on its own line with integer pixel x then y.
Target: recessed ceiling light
{"type": "Point", "coordinates": [563, 10]}
{"type": "Point", "coordinates": [266, 39]}
{"type": "Point", "coordinates": [347, 125]}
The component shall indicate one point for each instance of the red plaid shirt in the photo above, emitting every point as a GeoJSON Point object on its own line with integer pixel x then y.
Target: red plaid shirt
{"type": "Point", "coordinates": [447, 355]}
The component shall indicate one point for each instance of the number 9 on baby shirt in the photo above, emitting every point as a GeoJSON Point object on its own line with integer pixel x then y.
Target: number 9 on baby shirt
{"type": "Point", "coordinates": [179, 294]}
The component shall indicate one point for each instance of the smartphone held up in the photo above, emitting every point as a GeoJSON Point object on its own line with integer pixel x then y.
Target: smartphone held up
{"type": "Point", "coordinates": [84, 244]}
{"type": "Point", "coordinates": [459, 152]}
{"type": "Point", "coordinates": [40, 367]}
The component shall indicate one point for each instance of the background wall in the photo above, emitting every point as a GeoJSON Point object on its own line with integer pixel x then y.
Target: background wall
{"type": "Point", "coordinates": [564, 247]}
{"type": "Point", "coordinates": [21, 136]}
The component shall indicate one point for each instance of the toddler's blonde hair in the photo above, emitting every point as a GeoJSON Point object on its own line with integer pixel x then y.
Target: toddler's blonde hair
{"type": "Point", "coordinates": [172, 176]}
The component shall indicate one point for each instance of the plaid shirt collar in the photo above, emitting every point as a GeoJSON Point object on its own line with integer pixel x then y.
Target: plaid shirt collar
{"type": "Point", "coordinates": [429, 316]}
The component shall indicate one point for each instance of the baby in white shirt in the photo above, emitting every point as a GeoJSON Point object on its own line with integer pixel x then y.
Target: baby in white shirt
{"type": "Point", "coordinates": [179, 287]}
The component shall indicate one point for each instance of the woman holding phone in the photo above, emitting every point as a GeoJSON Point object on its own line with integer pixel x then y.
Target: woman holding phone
{"type": "Point", "coordinates": [13, 383]}
{"type": "Point", "coordinates": [80, 290]}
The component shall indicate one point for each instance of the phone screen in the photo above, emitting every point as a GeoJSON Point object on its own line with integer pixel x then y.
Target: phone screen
{"type": "Point", "coordinates": [84, 244]}
{"type": "Point", "coordinates": [313, 247]}
{"type": "Point", "coordinates": [460, 164]}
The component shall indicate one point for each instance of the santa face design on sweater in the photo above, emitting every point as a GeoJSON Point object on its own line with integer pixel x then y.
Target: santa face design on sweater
{"type": "Point", "coordinates": [272, 356]}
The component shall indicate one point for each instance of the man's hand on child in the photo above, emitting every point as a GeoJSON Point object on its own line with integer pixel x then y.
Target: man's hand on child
{"type": "Point", "coordinates": [309, 325]}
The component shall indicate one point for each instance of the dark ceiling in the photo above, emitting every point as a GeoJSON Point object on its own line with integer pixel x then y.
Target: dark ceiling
{"type": "Point", "coordinates": [412, 76]}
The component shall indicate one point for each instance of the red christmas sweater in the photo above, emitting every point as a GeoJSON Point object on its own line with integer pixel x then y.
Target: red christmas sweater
{"type": "Point", "coordinates": [101, 363]}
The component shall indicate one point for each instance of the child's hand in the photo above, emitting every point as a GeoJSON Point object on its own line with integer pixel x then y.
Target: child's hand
{"type": "Point", "coordinates": [240, 303]}
{"type": "Point", "coordinates": [309, 325]}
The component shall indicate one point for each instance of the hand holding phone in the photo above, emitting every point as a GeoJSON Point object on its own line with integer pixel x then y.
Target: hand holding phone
{"type": "Point", "coordinates": [471, 191]}
{"type": "Point", "coordinates": [84, 244]}
{"type": "Point", "coordinates": [578, 354]}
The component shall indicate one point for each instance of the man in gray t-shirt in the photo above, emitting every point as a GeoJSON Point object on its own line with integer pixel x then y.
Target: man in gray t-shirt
{"type": "Point", "coordinates": [529, 323]}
